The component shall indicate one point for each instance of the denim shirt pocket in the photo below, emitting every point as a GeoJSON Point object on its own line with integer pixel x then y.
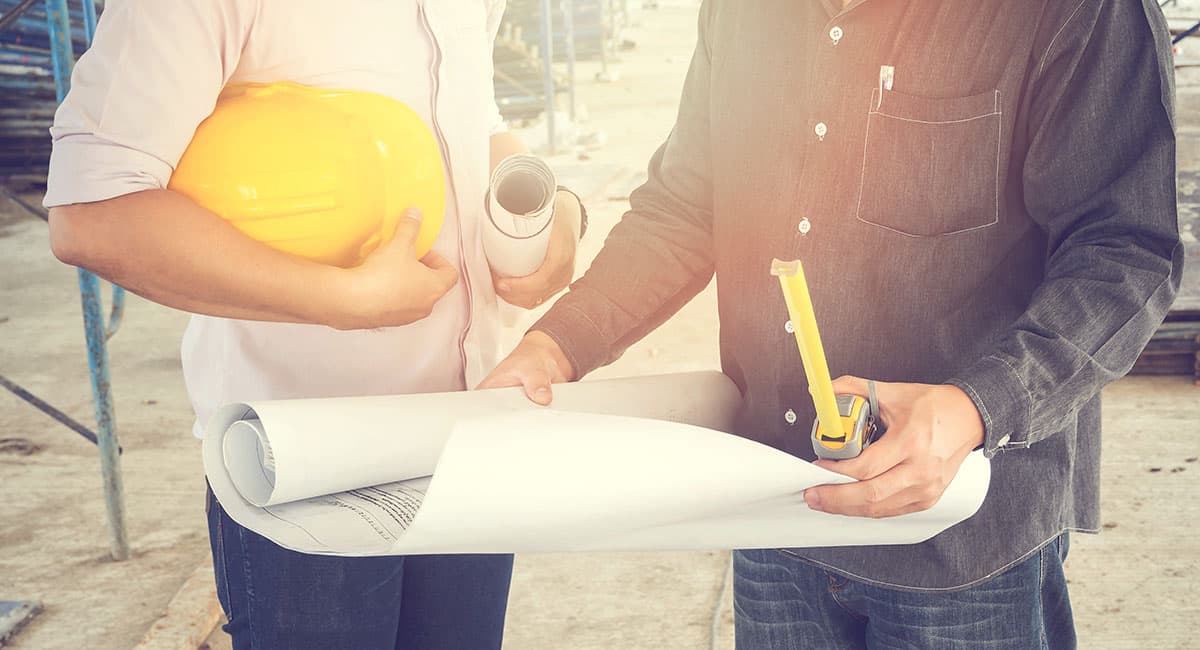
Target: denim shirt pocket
{"type": "Point", "coordinates": [931, 167]}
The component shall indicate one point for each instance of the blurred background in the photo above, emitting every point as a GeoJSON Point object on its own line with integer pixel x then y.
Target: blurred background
{"type": "Point", "coordinates": [84, 564]}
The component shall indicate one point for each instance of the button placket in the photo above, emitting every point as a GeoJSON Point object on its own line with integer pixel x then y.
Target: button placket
{"type": "Point", "coordinates": [820, 129]}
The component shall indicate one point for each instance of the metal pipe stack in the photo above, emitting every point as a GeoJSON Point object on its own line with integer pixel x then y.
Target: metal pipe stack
{"type": "Point", "coordinates": [595, 25]}
{"type": "Point", "coordinates": [517, 76]}
{"type": "Point", "coordinates": [27, 91]}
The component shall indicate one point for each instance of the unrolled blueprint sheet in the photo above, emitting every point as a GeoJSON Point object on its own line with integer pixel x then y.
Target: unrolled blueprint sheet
{"type": "Point", "coordinates": [625, 464]}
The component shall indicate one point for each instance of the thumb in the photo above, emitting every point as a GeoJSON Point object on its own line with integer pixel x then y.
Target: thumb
{"type": "Point", "coordinates": [408, 229]}
{"type": "Point", "coordinates": [537, 387]}
{"type": "Point", "coordinates": [443, 272]}
{"type": "Point", "coordinates": [850, 385]}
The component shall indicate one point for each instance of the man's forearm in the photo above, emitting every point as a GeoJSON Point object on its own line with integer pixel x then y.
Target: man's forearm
{"type": "Point", "coordinates": [1081, 332]}
{"type": "Point", "coordinates": [653, 262]}
{"type": "Point", "coordinates": [502, 145]}
{"type": "Point", "coordinates": [164, 247]}
{"type": "Point", "coordinates": [661, 254]}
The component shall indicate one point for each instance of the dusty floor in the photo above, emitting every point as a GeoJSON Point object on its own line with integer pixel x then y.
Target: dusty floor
{"type": "Point", "coordinates": [1133, 586]}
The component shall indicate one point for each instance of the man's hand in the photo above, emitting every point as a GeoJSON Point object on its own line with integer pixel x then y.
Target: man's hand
{"type": "Point", "coordinates": [392, 287]}
{"type": "Point", "coordinates": [931, 429]}
{"type": "Point", "coordinates": [557, 269]}
{"type": "Point", "coordinates": [536, 363]}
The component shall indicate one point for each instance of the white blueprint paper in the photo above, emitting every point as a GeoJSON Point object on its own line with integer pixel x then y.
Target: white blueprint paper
{"type": "Point", "coordinates": [626, 464]}
{"type": "Point", "coordinates": [520, 209]}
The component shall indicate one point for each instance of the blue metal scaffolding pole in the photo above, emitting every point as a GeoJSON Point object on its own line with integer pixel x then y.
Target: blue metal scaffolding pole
{"type": "Point", "coordinates": [95, 328]}
{"type": "Point", "coordinates": [568, 11]}
{"type": "Point", "coordinates": [548, 70]}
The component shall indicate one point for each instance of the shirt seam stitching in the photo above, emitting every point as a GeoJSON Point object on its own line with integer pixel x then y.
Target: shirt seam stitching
{"type": "Point", "coordinates": [1028, 403]}
{"type": "Point", "coordinates": [1053, 41]}
{"type": "Point", "coordinates": [984, 414]}
{"type": "Point", "coordinates": [958, 121]}
{"type": "Point", "coordinates": [572, 353]}
{"type": "Point", "coordinates": [862, 180]}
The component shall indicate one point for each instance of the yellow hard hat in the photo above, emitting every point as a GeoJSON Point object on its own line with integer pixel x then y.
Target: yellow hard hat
{"type": "Point", "coordinates": [322, 174]}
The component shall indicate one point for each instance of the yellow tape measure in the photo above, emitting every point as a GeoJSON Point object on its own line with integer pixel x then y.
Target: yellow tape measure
{"type": "Point", "coordinates": [845, 424]}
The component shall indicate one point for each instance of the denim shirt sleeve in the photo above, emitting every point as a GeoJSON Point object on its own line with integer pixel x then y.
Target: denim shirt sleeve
{"type": "Point", "coordinates": [1099, 179]}
{"type": "Point", "coordinates": [660, 255]}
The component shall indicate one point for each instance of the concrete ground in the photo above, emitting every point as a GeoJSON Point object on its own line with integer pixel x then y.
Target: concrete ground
{"type": "Point", "coordinates": [1133, 586]}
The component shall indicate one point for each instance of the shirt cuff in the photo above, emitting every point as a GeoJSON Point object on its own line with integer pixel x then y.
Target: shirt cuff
{"type": "Point", "coordinates": [576, 334]}
{"type": "Point", "coordinates": [1004, 404]}
{"type": "Point", "coordinates": [85, 168]}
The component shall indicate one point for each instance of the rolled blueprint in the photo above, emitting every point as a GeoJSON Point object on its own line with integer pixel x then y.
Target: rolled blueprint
{"type": "Point", "coordinates": [282, 451]}
{"type": "Point", "coordinates": [520, 210]}
{"type": "Point", "coordinates": [640, 463]}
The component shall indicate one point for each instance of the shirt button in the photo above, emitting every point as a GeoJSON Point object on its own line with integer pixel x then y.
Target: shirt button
{"type": "Point", "coordinates": [790, 416]}
{"type": "Point", "coordinates": [1004, 441]}
{"type": "Point", "coordinates": [820, 129]}
{"type": "Point", "coordinates": [789, 328]}
{"type": "Point", "coordinates": [835, 34]}
{"type": "Point", "coordinates": [804, 226]}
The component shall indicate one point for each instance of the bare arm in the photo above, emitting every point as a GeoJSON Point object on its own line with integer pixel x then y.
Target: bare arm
{"type": "Point", "coordinates": [153, 74]}
{"type": "Point", "coordinates": [503, 145]}
{"type": "Point", "coordinates": [161, 245]}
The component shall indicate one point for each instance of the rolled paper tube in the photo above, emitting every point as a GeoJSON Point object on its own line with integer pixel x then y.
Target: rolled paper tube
{"type": "Point", "coordinates": [290, 450]}
{"type": "Point", "coordinates": [520, 210]}
{"type": "Point", "coordinates": [247, 451]}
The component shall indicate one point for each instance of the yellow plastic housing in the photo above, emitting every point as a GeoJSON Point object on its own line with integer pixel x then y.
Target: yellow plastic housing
{"type": "Point", "coordinates": [321, 174]}
{"type": "Point", "coordinates": [853, 416]}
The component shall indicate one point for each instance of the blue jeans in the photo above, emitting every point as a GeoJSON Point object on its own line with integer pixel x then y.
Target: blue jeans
{"type": "Point", "coordinates": [280, 599]}
{"type": "Point", "coordinates": [784, 603]}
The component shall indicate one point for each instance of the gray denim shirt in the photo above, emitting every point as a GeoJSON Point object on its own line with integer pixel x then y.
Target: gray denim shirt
{"type": "Point", "coordinates": [996, 212]}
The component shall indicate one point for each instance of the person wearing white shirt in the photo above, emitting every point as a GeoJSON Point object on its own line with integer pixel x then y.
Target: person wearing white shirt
{"type": "Point", "coordinates": [267, 325]}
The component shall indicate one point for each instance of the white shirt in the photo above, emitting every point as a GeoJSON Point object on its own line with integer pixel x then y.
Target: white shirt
{"type": "Point", "coordinates": [154, 73]}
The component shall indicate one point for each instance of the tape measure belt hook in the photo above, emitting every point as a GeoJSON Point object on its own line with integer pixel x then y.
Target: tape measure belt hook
{"type": "Point", "coordinates": [875, 416]}
{"type": "Point", "coordinates": [873, 399]}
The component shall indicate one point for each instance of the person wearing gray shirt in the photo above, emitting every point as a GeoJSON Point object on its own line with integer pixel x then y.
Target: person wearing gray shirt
{"type": "Point", "coordinates": [983, 197]}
